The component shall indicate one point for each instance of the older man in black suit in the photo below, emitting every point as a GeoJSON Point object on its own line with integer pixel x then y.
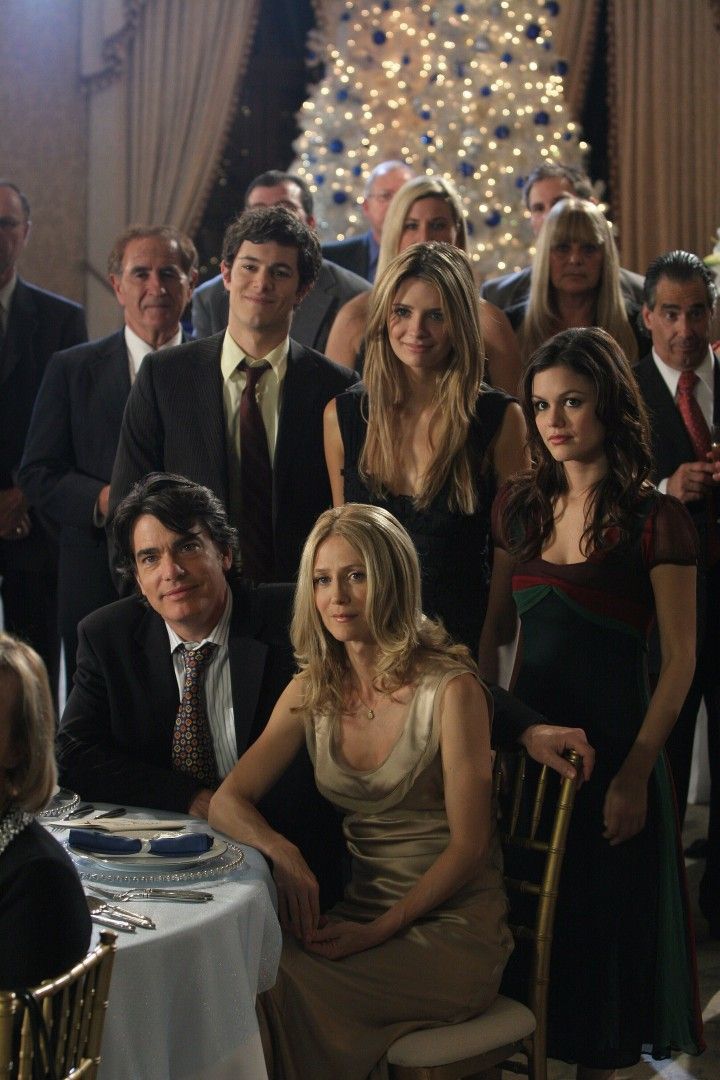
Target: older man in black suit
{"type": "Point", "coordinates": [33, 325]}
{"type": "Point", "coordinates": [196, 641]}
{"type": "Point", "coordinates": [241, 412]}
{"type": "Point", "coordinates": [75, 426]}
{"type": "Point", "coordinates": [680, 382]}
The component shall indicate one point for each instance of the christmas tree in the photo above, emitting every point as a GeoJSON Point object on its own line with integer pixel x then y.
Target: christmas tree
{"type": "Point", "coordinates": [471, 91]}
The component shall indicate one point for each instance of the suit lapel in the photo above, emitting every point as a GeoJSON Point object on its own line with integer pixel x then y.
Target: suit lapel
{"type": "Point", "coordinates": [155, 669]}
{"type": "Point", "coordinates": [247, 657]}
{"type": "Point", "coordinates": [110, 371]}
{"type": "Point", "coordinates": [667, 422]}
{"type": "Point", "coordinates": [21, 328]}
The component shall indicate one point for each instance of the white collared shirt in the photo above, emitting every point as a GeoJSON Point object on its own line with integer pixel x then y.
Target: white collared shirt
{"type": "Point", "coordinates": [217, 688]}
{"type": "Point", "coordinates": [704, 391]}
{"type": "Point", "coordinates": [139, 349]}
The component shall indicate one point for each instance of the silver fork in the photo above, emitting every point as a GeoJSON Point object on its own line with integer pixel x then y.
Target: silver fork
{"type": "Point", "coordinates": [188, 896]}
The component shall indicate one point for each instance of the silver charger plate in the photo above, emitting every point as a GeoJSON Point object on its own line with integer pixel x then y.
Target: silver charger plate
{"type": "Point", "coordinates": [215, 869]}
{"type": "Point", "coordinates": [144, 860]}
{"type": "Point", "coordinates": [61, 802]}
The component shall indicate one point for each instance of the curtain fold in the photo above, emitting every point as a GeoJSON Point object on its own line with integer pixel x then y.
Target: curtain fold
{"type": "Point", "coordinates": [574, 34]}
{"type": "Point", "coordinates": [665, 132]}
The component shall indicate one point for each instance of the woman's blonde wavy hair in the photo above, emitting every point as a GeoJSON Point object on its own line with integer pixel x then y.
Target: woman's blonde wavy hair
{"type": "Point", "coordinates": [575, 220]}
{"type": "Point", "coordinates": [447, 269]}
{"type": "Point", "coordinates": [28, 783]}
{"type": "Point", "coordinates": [421, 187]}
{"type": "Point", "coordinates": [407, 641]}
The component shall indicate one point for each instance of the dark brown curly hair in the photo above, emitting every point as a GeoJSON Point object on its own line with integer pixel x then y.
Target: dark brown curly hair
{"type": "Point", "coordinates": [527, 518]}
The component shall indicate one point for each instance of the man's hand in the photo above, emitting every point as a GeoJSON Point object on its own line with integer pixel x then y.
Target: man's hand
{"type": "Point", "coordinates": [14, 521]}
{"type": "Point", "coordinates": [200, 805]}
{"type": "Point", "coordinates": [547, 743]}
{"type": "Point", "coordinates": [103, 500]}
{"type": "Point", "coordinates": [693, 479]}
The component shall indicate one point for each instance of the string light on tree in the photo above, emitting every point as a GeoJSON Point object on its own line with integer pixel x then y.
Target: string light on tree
{"type": "Point", "coordinates": [471, 91]}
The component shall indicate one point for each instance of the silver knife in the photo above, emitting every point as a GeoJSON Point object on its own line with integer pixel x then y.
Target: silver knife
{"type": "Point", "coordinates": [115, 924]}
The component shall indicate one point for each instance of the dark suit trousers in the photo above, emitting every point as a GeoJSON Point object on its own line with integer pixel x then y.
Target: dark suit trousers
{"type": "Point", "coordinates": [30, 612]}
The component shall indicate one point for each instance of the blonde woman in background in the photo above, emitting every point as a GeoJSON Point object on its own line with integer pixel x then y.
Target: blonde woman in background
{"type": "Point", "coordinates": [424, 209]}
{"type": "Point", "coordinates": [575, 281]}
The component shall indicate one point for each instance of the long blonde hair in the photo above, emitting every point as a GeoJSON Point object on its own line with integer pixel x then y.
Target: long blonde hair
{"type": "Point", "coordinates": [448, 270]}
{"type": "Point", "coordinates": [29, 782]}
{"type": "Point", "coordinates": [422, 187]}
{"type": "Point", "coordinates": [575, 220]}
{"type": "Point", "coordinates": [407, 641]}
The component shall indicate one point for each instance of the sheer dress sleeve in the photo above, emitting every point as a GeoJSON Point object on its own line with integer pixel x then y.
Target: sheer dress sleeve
{"type": "Point", "coordinates": [669, 535]}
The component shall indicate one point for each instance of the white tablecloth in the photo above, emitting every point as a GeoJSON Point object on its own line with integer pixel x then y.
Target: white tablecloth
{"type": "Point", "coordinates": [182, 997]}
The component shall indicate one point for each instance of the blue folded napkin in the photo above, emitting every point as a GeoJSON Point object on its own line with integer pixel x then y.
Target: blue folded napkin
{"type": "Point", "coordinates": [115, 844]}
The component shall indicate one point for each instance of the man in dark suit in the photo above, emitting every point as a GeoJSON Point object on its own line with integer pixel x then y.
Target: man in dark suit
{"type": "Point", "coordinates": [333, 287]}
{"type": "Point", "coordinates": [680, 382]}
{"type": "Point", "coordinates": [248, 395]}
{"type": "Point", "coordinates": [545, 186]}
{"type": "Point", "coordinates": [360, 253]}
{"type": "Point", "coordinates": [124, 728]}
{"type": "Point", "coordinates": [33, 325]}
{"type": "Point", "coordinates": [75, 426]}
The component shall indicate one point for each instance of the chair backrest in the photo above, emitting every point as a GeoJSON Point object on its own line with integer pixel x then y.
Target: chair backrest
{"type": "Point", "coordinates": [72, 1007]}
{"type": "Point", "coordinates": [535, 805]}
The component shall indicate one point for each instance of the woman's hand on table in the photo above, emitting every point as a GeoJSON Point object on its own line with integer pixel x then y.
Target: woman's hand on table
{"type": "Point", "coordinates": [337, 939]}
{"type": "Point", "coordinates": [298, 892]}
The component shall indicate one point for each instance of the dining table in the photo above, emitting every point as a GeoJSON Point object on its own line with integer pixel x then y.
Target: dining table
{"type": "Point", "coordinates": [182, 995]}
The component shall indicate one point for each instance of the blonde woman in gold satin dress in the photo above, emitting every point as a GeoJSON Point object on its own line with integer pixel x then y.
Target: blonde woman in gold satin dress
{"type": "Point", "coordinates": [397, 724]}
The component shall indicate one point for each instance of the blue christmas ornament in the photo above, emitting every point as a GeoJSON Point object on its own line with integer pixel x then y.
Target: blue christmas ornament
{"type": "Point", "coordinates": [502, 131]}
{"type": "Point", "coordinates": [426, 139]}
{"type": "Point", "coordinates": [345, 17]}
{"type": "Point", "coordinates": [470, 227]}
{"type": "Point", "coordinates": [552, 7]}
{"type": "Point", "coordinates": [339, 197]}
{"type": "Point", "coordinates": [520, 182]}
{"type": "Point", "coordinates": [459, 9]}
{"type": "Point", "coordinates": [466, 168]}
{"type": "Point", "coordinates": [379, 37]}
{"type": "Point", "coordinates": [460, 70]}
{"type": "Point", "coordinates": [493, 219]}
{"type": "Point", "coordinates": [425, 114]}
{"type": "Point", "coordinates": [506, 58]}
{"type": "Point", "coordinates": [336, 146]}
{"type": "Point", "coordinates": [542, 117]}
{"type": "Point", "coordinates": [342, 95]}
{"type": "Point", "coordinates": [386, 5]}
{"type": "Point", "coordinates": [533, 31]}
{"type": "Point", "coordinates": [567, 136]}
{"type": "Point", "coordinates": [357, 170]}
{"type": "Point", "coordinates": [561, 67]}
{"type": "Point", "coordinates": [319, 179]}
{"type": "Point", "coordinates": [485, 91]}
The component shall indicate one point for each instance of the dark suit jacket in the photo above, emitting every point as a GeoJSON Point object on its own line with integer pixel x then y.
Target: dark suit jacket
{"type": "Point", "coordinates": [514, 288]}
{"type": "Point", "coordinates": [174, 422]}
{"type": "Point", "coordinates": [115, 738]}
{"type": "Point", "coordinates": [68, 459]}
{"type": "Point", "coordinates": [39, 324]}
{"type": "Point", "coordinates": [44, 920]}
{"type": "Point", "coordinates": [353, 254]}
{"type": "Point", "coordinates": [312, 320]}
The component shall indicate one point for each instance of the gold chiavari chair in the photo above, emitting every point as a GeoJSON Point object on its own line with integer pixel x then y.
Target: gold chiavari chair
{"type": "Point", "coordinates": [70, 1009]}
{"type": "Point", "coordinates": [535, 809]}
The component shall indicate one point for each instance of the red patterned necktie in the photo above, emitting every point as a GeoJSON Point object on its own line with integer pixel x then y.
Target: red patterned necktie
{"type": "Point", "coordinates": [192, 746]}
{"type": "Point", "coordinates": [699, 435]}
{"type": "Point", "coordinates": [256, 533]}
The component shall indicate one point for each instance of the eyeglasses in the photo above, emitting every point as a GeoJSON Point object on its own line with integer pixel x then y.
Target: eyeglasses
{"type": "Point", "coordinates": [383, 196]}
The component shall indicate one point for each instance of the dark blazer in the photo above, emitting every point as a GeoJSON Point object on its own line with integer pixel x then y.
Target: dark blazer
{"type": "Point", "coordinates": [514, 288]}
{"type": "Point", "coordinates": [68, 459]}
{"type": "Point", "coordinates": [115, 738]}
{"type": "Point", "coordinates": [353, 254]}
{"type": "Point", "coordinates": [174, 422]}
{"type": "Point", "coordinates": [312, 319]}
{"type": "Point", "coordinates": [39, 324]}
{"type": "Point", "coordinates": [44, 920]}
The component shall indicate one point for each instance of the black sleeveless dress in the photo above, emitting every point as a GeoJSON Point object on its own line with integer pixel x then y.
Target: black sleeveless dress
{"type": "Point", "coordinates": [454, 548]}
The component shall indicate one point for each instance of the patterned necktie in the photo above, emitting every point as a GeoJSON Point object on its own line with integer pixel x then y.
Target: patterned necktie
{"type": "Point", "coordinates": [256, 534]}
{"type": "Point", "coordinates": [192, 746]}
{"type": "Point", "coordinates": [691, 413]}
{"type": "Point", "coordinates": [699, 435]}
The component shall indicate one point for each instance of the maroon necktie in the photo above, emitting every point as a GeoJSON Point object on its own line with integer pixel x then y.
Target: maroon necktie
{"type": "Point", "coordinates": [193, 752]}
{"type": "Point", "coordinates": [256, 533]}
{"type": "Point", "coordinates": [699, 435]}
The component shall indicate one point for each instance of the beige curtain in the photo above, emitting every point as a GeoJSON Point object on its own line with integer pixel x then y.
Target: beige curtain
{"type": "Point", "coordinates": [665, 110]}
{"type": "Point", "coordinates": [574, 33]}
{"type": "Point", "coordinates": [163, 78]}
